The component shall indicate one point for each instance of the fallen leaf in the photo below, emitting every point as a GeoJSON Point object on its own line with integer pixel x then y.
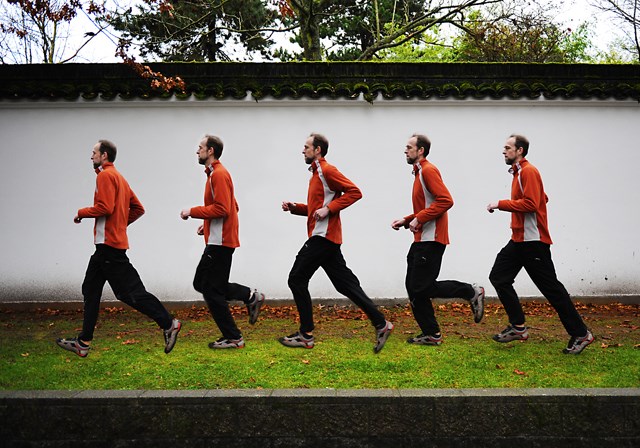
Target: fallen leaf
{"type": "Point", "coordinates": [130, 342]}
{"type": "Point", "coordinates": [519, 372]}
{"type": "Point", "coordinates": [24, 355]}
{"type": "Point", "coordinates": [306, 361]}
{"type": "Point", "coordinates": [499, 367]}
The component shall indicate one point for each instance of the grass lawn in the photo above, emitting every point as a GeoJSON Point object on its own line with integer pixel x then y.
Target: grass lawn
{"type": "Point", "coordinates": [128, 352]}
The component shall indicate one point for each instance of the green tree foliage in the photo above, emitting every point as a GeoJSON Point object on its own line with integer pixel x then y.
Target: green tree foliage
{"type": "Point", "coordinates": [195, 30]}
{"type": "Point", "coordinates": [364, 29]}
{"type": "Point", "coordinates": [527, 37]}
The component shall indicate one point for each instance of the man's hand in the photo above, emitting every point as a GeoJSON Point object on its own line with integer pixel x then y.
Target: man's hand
{"type": "Point", "coordinates": [492, 206]}
{"type": "Point", "coordinates": [395, 225]}
{"type": "Point", "coordinates": [415, 225]}
{"type": "Point", "coordinates": [287, 206]}
{"type": "Point", "coordinates": [200, 230]}
{"type": "Point", "coordinates": [184, 214]}
{"type": "Point", "coordinates": [77, 219]}
{"type": "Point", "coordinates": [321, 213]}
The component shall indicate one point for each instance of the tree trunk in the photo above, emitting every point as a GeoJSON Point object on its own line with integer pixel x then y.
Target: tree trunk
{"type": "Point", "coordinates": [309, 34]}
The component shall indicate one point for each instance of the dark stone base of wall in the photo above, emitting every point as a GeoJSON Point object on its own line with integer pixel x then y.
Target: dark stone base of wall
{"type": "Point", "coordinates": [460, 418]}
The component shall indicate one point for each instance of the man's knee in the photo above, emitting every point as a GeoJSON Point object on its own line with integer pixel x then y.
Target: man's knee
{"type": "Point", "coordinates": [297, 282]}
{"type": "Point", "coordinates": [499, 281]}
{"type": "Point", "coordinates": [421, 290]}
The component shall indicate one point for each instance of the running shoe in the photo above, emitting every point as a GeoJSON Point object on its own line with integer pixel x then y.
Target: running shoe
{"type": "Point", "coordinates": [171, 335]}
{"type": "Point", "coordinates": [577, 344]}
{"type": "Point", "coordinates": [223, 343]}
{"type": "Point", "coordinates": [511, 334]}
{"type": "Point", "coordinates": [425, 339]}
{"type": "Point", "coordinates": [297, 340]}
{"type": "Point", "coordinates": [74, 345]}
{"type": "Point", "coordinates": [254, 305]}
{"type": "Point", "coordinates": [477, 303]}
{"type": "Point", "coordinates": [382, 335]}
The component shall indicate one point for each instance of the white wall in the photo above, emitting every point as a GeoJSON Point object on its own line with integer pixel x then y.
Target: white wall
{"type": "Point", "coordinates": [587, 151]}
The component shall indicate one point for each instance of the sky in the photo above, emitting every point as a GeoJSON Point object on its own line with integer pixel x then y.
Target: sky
{"type": "Point", "coordinates": [572, 14]}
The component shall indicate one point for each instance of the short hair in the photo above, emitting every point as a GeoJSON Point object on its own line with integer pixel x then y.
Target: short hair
{"type": "Point", "coordinates": [110, 148]}
{"type": "Point", "coordinates": [215, 143]}
{"type": "Point", "coordinates": [422, 141]}
{"type": "Point", "coordinates": [321, 141]}
{"type": "Point", "coordinates": [521, 142]}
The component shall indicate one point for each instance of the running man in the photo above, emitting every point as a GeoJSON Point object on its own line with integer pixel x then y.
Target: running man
{"type": "Point", "coordinates": [430, 227]}
{"type": "Point", "coordinates": [530, 248]}
{"type": "Point", "coordinates": [220, 230]}
{"type": "Point", "coordinates": [329, 193]}
{"type": "Point", "coordinates": [115, 206]}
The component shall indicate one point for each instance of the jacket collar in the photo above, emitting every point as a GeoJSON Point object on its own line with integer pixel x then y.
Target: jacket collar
{"type": "Point", "coordinates": [418, 166]}
{"type": "Point", "coordinates": [517, 167]}
{"type": "Point", "coordinates": [209, 168]}
{"type": "Point", "coordinates": [104, 166]}
{"type": "Point", "coordinates": [315, 164]}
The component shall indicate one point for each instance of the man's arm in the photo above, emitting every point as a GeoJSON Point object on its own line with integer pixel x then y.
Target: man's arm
{"type": "Point", "coordinates": [339, 182]}
{"type": "Point", "coordinates": [136, 210]}
{"type": "Point", "coordinates": [531, 193]}
{"type": "Point", "coordinates": [442, 198]}
{"type": "Point", "coordinates": [294, 208]}
{"type": "Point", "coordinates": [222, 201]}
{"type": "Point", "coordinates": [105, 199]}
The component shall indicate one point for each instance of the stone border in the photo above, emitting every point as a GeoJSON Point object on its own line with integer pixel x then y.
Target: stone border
{"type": "Point", "coordinates": [323, 418]}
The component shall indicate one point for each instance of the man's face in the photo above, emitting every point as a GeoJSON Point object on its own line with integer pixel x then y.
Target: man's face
{"type": "Point", "coordinates": [510, 152]}
{"type": "Point", "coordinates": [412, 152]}
{"type": "Point", "coordinates": [309, 151]}
{"type": "Point", "coordinates": [203, 152]}
{"type": "Point", "coordinates": [97, 157]}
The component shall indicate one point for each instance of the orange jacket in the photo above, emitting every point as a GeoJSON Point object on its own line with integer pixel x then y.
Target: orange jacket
{"type": "Point", "coordinates": [528, 204]}
{"type": "Point", "coordinates": [327, 187]}
{"type": "Point", "coordinates": [115, 206]}
{"type": "Point", "coordinates": [220, 209]}
{"type": "Point", "coordinates": [431, 200]}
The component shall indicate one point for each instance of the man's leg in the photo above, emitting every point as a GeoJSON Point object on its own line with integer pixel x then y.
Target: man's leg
{"type": "Point", "coordinates": [505, 269]}
{"type": "Point", "coordinates": [92, 287]}
{"type": "Point", "coordinates": [423, 267]}
{"type": "Point", "coordinates": [212, 280]}
{"type": "Point", "coordinates": [238, 292]}
{"type": "Point", "coordinates": [128, 287]}
{"type": "Point", "coordinates": [307, 263]}
{"type": "Point", "coordinates": [540, 268]}
{"type": "Point", "coordinates": [347, 284]}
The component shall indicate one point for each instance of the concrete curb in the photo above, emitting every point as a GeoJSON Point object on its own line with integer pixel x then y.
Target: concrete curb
{"type": "Point", "coordinates": [310, 418]}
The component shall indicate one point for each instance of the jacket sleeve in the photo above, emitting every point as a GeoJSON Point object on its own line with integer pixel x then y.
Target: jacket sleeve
{"type": "Point", "coordinates": [136, 210]}
{"type": "Point", "coordinates": [442, 198]}
{"type": "Point", "coordinates": [531, 194]}
{"type": "Point", "coordinates": [222, 200]}
{"type": "Point", "coordinates": [299, 209]}
{"type": "Point", "coordinates": [338, 182]}
{"type": "Point", "coordinates": [104, 201]}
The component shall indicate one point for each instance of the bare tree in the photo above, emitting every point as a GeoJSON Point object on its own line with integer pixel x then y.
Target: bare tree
{"type": "Point", "coordinates": [628, 13]}
{"type": "Point", "coordinates": [38, 31]}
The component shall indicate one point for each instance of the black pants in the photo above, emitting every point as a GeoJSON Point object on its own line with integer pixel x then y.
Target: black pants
{"type": "Point", "coordinates": [212, 281]}
{"type": "Point", "coordinates": [423, 267]}
{"type": "Point", "coordinates": [318, 252]}
{"type": "Point", "coordinates": [535, 258]}
{"type": "Point", "coordinates": [112, 265]}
